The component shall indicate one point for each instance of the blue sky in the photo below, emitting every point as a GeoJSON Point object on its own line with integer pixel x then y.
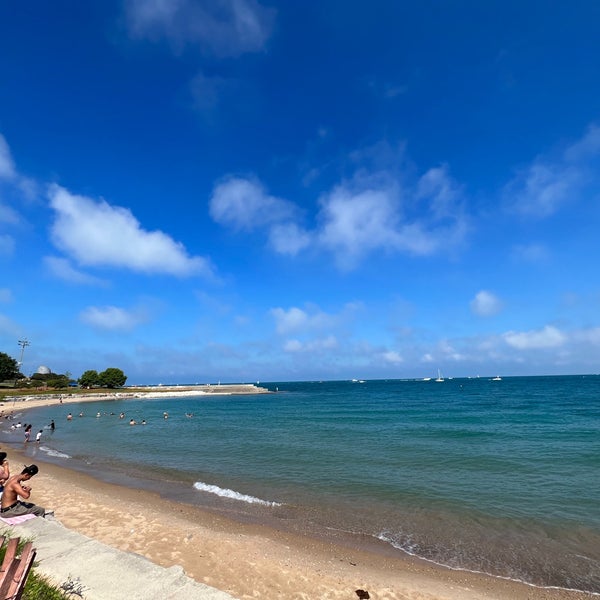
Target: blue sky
{"type": "Point", "coordinates": [234, 190]}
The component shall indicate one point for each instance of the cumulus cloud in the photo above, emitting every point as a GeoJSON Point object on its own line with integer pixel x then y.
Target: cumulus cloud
{"type": "Point", "coordinates": [219, 27]}
{"type": "Point", "coordinates": [98, 234]}
{"type": "Point", "coordinates": [545, 186]}
{"type": "Point", "coordinates": [112, 318]}
{"type": "Point", "coordinates": [486, 304]}
{"type": "Point", "coordinates": [372, 211]}
{"type": "Point", "coordinates": [63, 269]}
{"type": "Point", "coordinates": [354, 223]}
{"type": "Point", "coordinates": [547, 337]}
{"type": "Point", "coordinates": [244, 204]}
{"type": "Point", "coordinates": [392, 357]}
{"type": "Point", "coordinates": [289, 238]}
{"type": "Point", "coordinates": [298, 320]}
{"type": "Point", "coordinates": [378, 211]}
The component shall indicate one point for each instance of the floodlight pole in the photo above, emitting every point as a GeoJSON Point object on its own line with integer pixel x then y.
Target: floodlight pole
{"type": "Point", "coordinates": [23, 343]}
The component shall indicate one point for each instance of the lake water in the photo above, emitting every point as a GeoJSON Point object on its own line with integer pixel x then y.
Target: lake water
{"type": "Point", "coordinates": [501, 477]}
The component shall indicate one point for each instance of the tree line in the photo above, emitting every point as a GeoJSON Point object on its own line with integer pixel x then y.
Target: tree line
{"type": "Point", "coordinates": [109, 378]}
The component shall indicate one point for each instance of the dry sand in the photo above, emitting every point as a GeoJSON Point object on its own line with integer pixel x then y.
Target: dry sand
{"type": "Point", "coordinates": [250, 561]}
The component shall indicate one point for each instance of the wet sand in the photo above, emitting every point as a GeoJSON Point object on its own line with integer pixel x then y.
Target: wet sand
{"type": "Point", "coordinates": [250, 561]}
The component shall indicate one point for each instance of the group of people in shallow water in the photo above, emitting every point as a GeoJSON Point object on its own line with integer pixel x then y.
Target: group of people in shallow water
{"type": "Point", "coordinates": [132, 421]}
{"type": "Point", "coordinates": [14, 489]}
{"type": "Point", "coordinates": [27, 430]}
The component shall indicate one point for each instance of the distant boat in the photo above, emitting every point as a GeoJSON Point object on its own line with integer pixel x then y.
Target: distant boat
{"type": "Point", "coordinates": [497, 378]}
{"type": "Point", "coordinates": [426, 378]}
{"type": "Point", "coordinates": [439, 377]}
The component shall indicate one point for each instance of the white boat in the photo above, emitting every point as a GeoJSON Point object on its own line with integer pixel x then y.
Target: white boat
{"type": "Point", "coordinates": [497, 378]}
{"type": "Point", "coordinates": [426, 378]}
{"type": "Point", "coordinates": [439, 377]}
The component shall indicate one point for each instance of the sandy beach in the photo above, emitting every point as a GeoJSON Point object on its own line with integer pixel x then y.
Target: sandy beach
{"type": "Point", "coordinates": [249, 561]}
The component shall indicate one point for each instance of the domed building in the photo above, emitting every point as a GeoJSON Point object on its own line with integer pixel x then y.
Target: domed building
{"type": "Point", "coordinates": [43, 370]}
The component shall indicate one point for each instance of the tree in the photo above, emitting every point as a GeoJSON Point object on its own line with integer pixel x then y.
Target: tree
{"type": "Point", "coordinates": [58, 381]}
{"type": "Point", "coordinates": [89, 379]}
{"type": "Point", "coordinates": [112, 378]}
{"type": "Point", "coordinates": [9, 367]}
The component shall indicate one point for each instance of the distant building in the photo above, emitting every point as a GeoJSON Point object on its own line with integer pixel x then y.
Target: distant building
{"type": "Point", "coordinates": [43, 370]}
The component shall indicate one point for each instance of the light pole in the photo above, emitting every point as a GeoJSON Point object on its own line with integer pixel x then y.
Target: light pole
{"type": "Point", "coordinates": [23, 343]}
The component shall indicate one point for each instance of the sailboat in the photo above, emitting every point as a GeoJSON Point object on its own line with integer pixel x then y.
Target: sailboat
{"type": "Point", "coordinates": [439, 377]}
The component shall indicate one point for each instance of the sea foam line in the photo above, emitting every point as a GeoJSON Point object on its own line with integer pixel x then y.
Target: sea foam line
{"type": "Point", "coordinates": [54, 453]}
{"type": "Point", "coordinates": [226, 493]}
{"type": "Point", "coordinates": [384, 538]}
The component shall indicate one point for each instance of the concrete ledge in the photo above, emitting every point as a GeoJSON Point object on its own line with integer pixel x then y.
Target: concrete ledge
{"type": "Point", "coordinates": [104, 572]}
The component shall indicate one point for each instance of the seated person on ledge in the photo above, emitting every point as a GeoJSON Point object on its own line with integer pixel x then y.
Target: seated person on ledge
{"type": "Point", "coordinates": [13, 488]}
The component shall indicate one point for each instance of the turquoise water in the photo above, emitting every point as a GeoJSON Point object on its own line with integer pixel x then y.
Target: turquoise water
{"type": "Point", "coordinates": [495, 476]}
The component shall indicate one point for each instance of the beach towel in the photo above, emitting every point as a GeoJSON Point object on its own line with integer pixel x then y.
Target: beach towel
{"type": "Point", "coordinates": [16, 520]}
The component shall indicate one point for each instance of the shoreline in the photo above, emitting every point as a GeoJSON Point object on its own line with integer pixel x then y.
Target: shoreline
{"type": "Point", "coordinates": [250, 560]}
{"type": "Point", "coordinates": [33, 400]}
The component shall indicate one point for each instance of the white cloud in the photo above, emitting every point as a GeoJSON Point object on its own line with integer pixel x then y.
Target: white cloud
{"type": "Point", "coordinates": [8, 215]}
{"type": "Point", "coordinates": [292, 346]}
{"type": "Point", "coordinates": [486, 304]}
{"type": "Point", "coordinates": [392, 357]}
{"type": "Point", "coordinates": [298, 320]}
{"type": "Point", "coordinates": [377, 213]}
{"type": "Point", "coordinates": [354, 223]}
{"type": "Point", "coordinates": [544, 187]}
{"type": "Point", "coordinates": [443, 194]}
{"type": "Point", "coordinates": [591, 336]}
{"type": "Point", "coordinates": [7, 165]}
{"type": "Point", "coordinates": [98, 234]}
{"type": "Point", "coordinates": [588, 145]}
{"type": "Point", "coordinates": [8, 172]}
{"type": "Point", "coordinates": [548, 337]}
{"type": "Point", "coordinates": [62, 268]}
{"type": "Point", "coordinates": [318, 345]}
{"type": "Point", "coordinates": [373, 211]}
{"type": "Point", "coordinates": [289, 239]}
{"type": "Point", "coordinates": [112, 318]}
{"type": "Point", "coordinates": [220, 27]}
{"type": "Point", "coordinates": [243, 204]}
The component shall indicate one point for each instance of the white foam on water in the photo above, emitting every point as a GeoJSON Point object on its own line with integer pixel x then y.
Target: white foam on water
{"type": "Point", "coordinates": [54, 453]}
{"type": "Point", "coordinates": [233, 495]}
{"type": "Point", "coordinates": [410, 550]}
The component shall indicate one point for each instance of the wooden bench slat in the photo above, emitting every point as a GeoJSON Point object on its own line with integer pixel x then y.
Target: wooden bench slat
{"type": "Point", "coordinates": [14, 571]}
